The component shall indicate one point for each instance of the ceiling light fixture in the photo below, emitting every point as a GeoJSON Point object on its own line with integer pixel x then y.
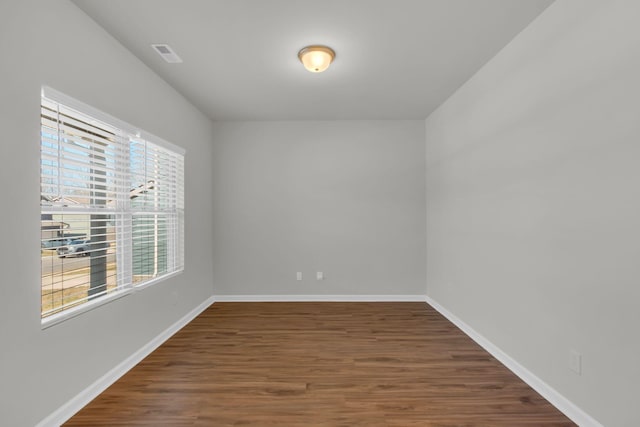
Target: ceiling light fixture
{"type": "Point", "coordinates": [316, 58]}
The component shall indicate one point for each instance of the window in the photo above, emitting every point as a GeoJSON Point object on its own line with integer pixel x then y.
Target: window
{"type": "Point", "coordinates": [112, 207]}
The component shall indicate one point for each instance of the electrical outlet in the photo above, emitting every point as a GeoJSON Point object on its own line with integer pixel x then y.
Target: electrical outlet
{"type": "Point", "coordinates": [319, 275]}
{"type": "Point", "coordinates": [299, 275]}
{"type": "Point", "coordinates": [575, 363]}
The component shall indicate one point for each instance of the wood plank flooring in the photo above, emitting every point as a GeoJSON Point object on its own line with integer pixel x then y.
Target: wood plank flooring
{"type": "Point", "coordinates": [319, 364]}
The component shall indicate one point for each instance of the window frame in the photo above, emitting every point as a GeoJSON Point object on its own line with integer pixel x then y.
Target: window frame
{"type": "Point", "coordinates": [128, 132]}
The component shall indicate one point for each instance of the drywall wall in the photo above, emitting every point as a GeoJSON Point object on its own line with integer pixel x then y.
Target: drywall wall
{"type": "Point", "coordinates": [533, 207]}
{"type": "Point", "coordinates": [342, 197]}
{"type": "Point", "coordinates": [55, 44]}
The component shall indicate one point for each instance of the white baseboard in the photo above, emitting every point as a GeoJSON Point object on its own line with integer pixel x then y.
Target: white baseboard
{"type": "Point", "coordinates": [319, 298]}
{"type": "Point", "coordinates": [563, 404]}
{"type": "Point", "coordinates": [76, 403]}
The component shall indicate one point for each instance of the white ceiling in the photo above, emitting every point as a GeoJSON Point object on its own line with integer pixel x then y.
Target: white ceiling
{"type": "Point", "coordinates": [395, 59]}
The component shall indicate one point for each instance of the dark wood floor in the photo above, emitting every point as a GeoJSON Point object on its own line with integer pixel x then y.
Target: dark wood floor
{"type": "Point", "coordinates": [319, 364]}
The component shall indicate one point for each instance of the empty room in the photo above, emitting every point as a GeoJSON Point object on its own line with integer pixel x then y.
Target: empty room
{"type": "Point", "coordinates": [320, 213]}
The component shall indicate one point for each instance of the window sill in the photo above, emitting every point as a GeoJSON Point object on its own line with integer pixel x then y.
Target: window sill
{"type": "Point", "coordinates": [54, 319]}
{"type": "Point", "coordinates": [158, 279]}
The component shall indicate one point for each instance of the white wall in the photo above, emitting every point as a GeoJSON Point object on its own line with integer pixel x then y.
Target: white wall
{"type": "Point", "coordinates": [54, 43]}
{"type": "Point", "coordinates": [533, 203]}
{"type": "Point", "coordinates": [343, 197]}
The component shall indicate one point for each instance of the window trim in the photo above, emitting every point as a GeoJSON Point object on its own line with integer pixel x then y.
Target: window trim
{"type": "Point", "coordinates": [74, 311]}
{"type": "Point", "coordinates": [73, 103]}
{"type": "Point", "coordinates": [90, 305]}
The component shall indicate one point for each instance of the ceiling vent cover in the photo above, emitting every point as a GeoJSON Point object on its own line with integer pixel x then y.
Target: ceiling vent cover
{"type": "Point", "coordinates": [165, 51]}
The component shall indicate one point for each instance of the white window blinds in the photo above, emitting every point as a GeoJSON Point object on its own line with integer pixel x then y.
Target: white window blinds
{"type": "Point", "coordinates": [157, 206]}
{"type": "Point", "coordinates": [112, 206]}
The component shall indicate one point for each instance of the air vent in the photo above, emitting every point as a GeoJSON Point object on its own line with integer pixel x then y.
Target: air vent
{"type": "Point", "coordinates": [166, 53]}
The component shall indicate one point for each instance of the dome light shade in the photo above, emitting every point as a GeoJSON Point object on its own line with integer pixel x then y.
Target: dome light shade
{"type": "Point", "coordinates": [316, 58]}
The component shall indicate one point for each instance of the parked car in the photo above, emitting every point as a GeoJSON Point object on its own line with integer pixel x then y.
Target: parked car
{"type": "Point", "coordinates": [55, 242]}
{"type": "Point", "coordinates": [80, 248]}
{"type": "Point", "coordinates": [74, 248]}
